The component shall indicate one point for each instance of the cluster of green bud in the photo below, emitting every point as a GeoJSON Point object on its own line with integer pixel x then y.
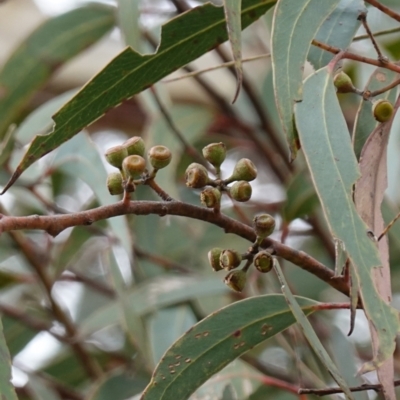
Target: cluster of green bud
{"type": "Point", "coordinates": [129, 158]}
{"type": "Point", "coordinates": [382, 109]}
{"type": "Point", "coordinates": [197, 177]}
{"type": "Point", "coordinates": [229, 260]}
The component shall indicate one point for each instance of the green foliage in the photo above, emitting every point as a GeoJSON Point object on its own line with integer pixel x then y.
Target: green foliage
{"type": "Point", "coordinates": [128, 299]}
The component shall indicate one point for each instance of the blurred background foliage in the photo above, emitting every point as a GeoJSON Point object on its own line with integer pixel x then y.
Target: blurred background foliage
{"type": "Point", "coordinates": [132, 285]}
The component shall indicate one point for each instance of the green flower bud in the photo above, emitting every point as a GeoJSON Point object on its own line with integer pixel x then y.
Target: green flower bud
{"type": "Point", "coordinates": [382, 110]}
{"type": "Point", "coordinates": [263, 261]}
{"type": "Point", "coordinates": [244, 170]}
{"type": "Point", "coordinates": [210, 197]}
{"type": "Point", "coordinates": [114, 183]}
{"type": "Point", "coordinates": [264, 225]}
{"type": "Point", "coordinates": [215, 154]}
{"type": "Point", "coordinates": [343, 83]}
{"type": "Point", "coordinates": [135, 146]}
{"type": "Point", "coordinates": [116, 155]}
{"type": "Point", "coordinates": [236, 280]}
{"type": "Point", "coordinates": [196, 176]}
{"type": "Point", "coordinates": [241, 191]}
{"type": "Point", "coordinates": [159, 156]}
{"type": "Point", "coordinates": [213, 258]}
{"type": "Point", "coordinates": [133, 166]}
{"type": "Point", "coordinates": [230, 259]}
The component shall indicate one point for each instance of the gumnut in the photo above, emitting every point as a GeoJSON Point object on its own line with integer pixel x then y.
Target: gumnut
{"type": "Point", "coordinates": [241, 191]}
{"type": "Point", "coordinates": [382, 110]}
{"type": "Point", "coordinates": [196, 176]}
{"type": "Point", "coordinates": [236, 280]}
{"type": "Point", "coordinates": [116, 155]}
{"type": "Point", "coordinates": [215, 154]}
{"type": "Point", "coordinates": [135, 146]}
{"type": "Point", "coordinates": [343, 83]}
{"type": "Point", "coordinates": [213, 258]}
{"type": "Point", "coordinates": [263, 261]}
{"type": "Point", "coordinates": [114, 183]}
{"type": "Point", "coordinates": [244, 170]}
{"type": "Point", "coordinates": [264, 225]}
{"type": "Point", "coordinates": [230, 259]}
{"type": "Point", "coordinates": [210, 197]}
{"type": "Point", "coordinates": [133, 166]}
{"type": "Point", "coordinates": [159, 156]}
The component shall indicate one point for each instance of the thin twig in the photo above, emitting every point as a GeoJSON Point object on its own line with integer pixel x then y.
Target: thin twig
{"type": "Point", "coordinates": [391, 223]}
{"type": "Point", "coordinates": [384, 9]}
{"type": "Point", "coordinates": [216, 67]}
{"type": "Point", "coordinates": [376, 34]}
{"type": "Point", "coordinates": [361, 388]}
{"type": "Point", "coordinates": [37, 262]}
{"type": "Point", "coordinates": [395, 83]}
{"type": "Point", "coordinates": [351, 56]}
{"type": "Point", "coordinates": [363, 18]}
{"type": "Point", "coordinates": [54, 224]}
{"type": "Point", "coordinates": [189, 149]}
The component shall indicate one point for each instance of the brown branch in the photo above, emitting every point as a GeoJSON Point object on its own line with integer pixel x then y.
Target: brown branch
{"type": "Point", "coordinates": [57, 223]}
{"type": "Point", "coordinates": [395, 83]}
{"type": "Point", "coordinates": [37, 261]}
{"type": "Point", "coordinates": [363, 18]}
{"type": "Point", "coordinates": [384, 9]}
{"type": "Point", "coordinates": [361, 388]}
{"type": "Point", "coordinates": [351, 56]}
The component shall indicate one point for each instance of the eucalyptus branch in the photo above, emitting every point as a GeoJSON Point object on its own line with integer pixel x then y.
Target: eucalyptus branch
{"type": "Point", "coordinates": [54, 224]}
{"type": "Point", "coordinates": [361, 388]}
{"type": "Point", "coordinates": [36, 259]}
{"type": "Point", "coordinates": [395, 83]}
{"type": "Point", "coordinates": [376, 34]}
{"type": "Point", "coordinates": [351, 56]}
{"type": "Point", "coordinates": [391, 13]}
{"type": "Point", "coordinates": [363, 18]}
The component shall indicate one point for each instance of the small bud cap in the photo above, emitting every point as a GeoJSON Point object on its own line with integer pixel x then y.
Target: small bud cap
{"type": "Point", "coordinates": [196, 176]}
{"type": "Point", "coordinates": [230, 259]}
{"type": "Point", "coordinates": [264, 225]}
{"type": "Point", "coordinates": [263, 261]}
{"type": "Point", "coordinates": [134, 166]}
{"type": "Point", "coordinates": [244, 170]}
{"type": "Point", "coordinates": [236, 280]}
{"type": "Point", "coordinates": [382, 110]}
{"type": "Point", "coordinates": [213, 258]}
{"type": "Point", "coordinates": [210, 197]}
{"type": "Point", "coordinates": [241, 191]}
{"type": "Point", "coordinates": [114, 183]}
{"type": "Point", "coordinates": [116, 155]}
{"type": "Point", "coordinates": [159, 156]}
{"type": "Point", "coordinates": [215, 153]}
{"type": "Point", "coordinates": [343, 83]}
{"type": "Point", "coordinates": [134, 146]}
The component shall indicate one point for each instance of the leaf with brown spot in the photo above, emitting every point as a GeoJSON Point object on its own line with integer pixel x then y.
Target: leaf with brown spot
{"type": "Point", "coordinates": [213, 343]}
{"type": "Point", "coordinates": [368, 196]}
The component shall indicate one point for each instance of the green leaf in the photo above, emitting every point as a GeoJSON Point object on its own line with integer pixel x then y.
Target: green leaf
{"type": "Point", "coordinates": [234, 25]}
{"type": "Point", "coordinates": [128, 20]}
{"type": "Point", "coordinates": [301, 198]}
{"type": "Point", "coordinates": [183, 39]}
{"type": "Point", "coordinates": [48, 47]}
{"type": "Point", "coordinates": [40, 390]}
{"type": "Point", "coordinates": [310, 334]}
{"type": "Point", "coordinates": [167, 325]}
{"type": "Point", "coordinates": [326, 144]}
{"type": "Point", "coordinates": [365, 122]}
{"type": "Point", "coordinates": [214, 342]}
{"type": "Point", "coordinates": [295, 24]}
{"type": "Point", "coordinates": [337, 30]}
{"type": "Point", "coordinates": [6, 388]}
{"type": "Point", "coordinates": [118, 384]}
